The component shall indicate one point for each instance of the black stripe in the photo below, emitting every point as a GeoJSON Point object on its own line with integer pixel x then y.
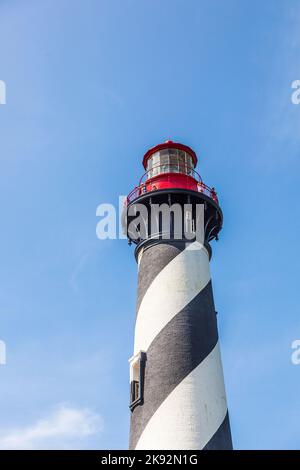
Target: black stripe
{"type": "Point", "coordinates": [153, 260]}
{"type": "Point", "coordinates": [221, 440]}
{"type": "Point", "coordinates": [176, 350]}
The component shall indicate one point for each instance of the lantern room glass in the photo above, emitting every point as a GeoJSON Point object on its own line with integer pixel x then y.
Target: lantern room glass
{"type": "Point", "coordinates": [169, 161]}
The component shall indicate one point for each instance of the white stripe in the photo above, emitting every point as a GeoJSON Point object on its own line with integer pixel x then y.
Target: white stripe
{"type": "Point", "coordinates": [192, 412]}
{"type": "Point", "coordinates": [172, 289]}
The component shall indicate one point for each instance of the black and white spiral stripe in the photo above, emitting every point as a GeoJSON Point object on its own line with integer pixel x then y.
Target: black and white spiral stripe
{"type": "Point", "coordinates": [184, 404]}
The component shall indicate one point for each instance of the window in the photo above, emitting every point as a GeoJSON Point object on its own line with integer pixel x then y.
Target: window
{"type": "Point", "coordinates": [149, 167]}
{"type": "Point", "coordinates": [174, 161]}
{"type": "Point", "coordinates": [164, 161]}
{"type": "Point", "coordinates": [155, 164]}
{"type": "Point", "coordinates": [181, 161]}
{"type": "Point", "coordinates": [137, 373]}
{"type": "Point", "coordinates": [169, 161]}
{"type": "Point", "coordinates": [189, 164]}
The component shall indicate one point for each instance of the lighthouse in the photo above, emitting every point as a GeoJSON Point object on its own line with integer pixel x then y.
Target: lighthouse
{"type": "Point", "coordinates": [177, 393]}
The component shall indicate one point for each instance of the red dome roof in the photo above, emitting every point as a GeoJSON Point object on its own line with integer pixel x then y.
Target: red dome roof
{"type": "Point", "coordinates": [167, 145]}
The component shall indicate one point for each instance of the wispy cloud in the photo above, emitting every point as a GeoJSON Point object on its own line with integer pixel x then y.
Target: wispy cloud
{"type": "Point", "coordinates": [65, 427]}
{"type": "Point", "coordinates": [76, 272]}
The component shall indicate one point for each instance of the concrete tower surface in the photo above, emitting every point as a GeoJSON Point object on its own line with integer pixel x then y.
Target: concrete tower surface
{"type": "Point", "coordinates": [177, 393]}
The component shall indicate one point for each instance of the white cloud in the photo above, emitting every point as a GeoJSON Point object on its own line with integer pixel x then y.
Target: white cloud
{"type": "Point", "coordinates": [64, 428]}
{"type": "Point", "coordinates": [77, 270]}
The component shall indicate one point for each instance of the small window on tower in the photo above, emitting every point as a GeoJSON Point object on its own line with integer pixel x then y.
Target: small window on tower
{"type": "Point", "coordinates": [155, 164]}
{"type": "Point", "coordinates": [173, 156]}
{"type": "Point", "coordinates": [181, 162]}
{"type": "Point", "coordinates": [137, 373]}
{"type": "Point", "coordinates": [189, 164]}
{"type": "Point", "coordinates": [149, 168]}
{"type": "Point", "coordinates": [164, 161]}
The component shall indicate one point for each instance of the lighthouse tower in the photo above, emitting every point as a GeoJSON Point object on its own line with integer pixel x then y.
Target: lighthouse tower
{"type": "Point", "coordinates": [177, 394]}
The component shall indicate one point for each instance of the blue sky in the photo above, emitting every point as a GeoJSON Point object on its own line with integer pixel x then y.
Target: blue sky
{"type": "Point", "coordinates": [91, 85]}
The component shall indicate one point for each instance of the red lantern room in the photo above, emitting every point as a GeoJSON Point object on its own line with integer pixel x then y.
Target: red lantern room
{"type": "Point", "coordinates": [170, 165]}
